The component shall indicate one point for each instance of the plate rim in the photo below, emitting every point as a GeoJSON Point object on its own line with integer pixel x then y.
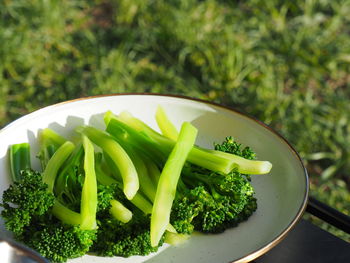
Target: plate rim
{"type": "Point", "coordinates": [277, 239]}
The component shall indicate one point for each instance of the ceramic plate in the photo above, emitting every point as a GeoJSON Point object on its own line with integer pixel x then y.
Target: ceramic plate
{"type": "Point", "coordinates": [282, 194]}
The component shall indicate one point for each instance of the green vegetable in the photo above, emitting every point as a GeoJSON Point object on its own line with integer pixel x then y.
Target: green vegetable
{"type": "Point", "coordinates": [123, 225]}
{"type": "Point", "coordinates": [119, 157]}
{"type": "Point", "coordinates": [19, 159]}
{"type": "Point", "coordinates": [165, 125]}
{"type": "Point", "coordinates": [209, 159]}
{"type": "Point", "coordinates": [135, 190]}
{"type": "Point", "coordinates": [58, 158]}
{"type": "Point", "coordinates": [38, 219]}
{"type": "Point", "coordinates": [167, 183]}
{"type": "Point", "coordinates": [138, 200]}
{"type": "Point", "coordinates": [49, 141]}
{"type": "Point", "coordinates": [120, 212]}
{"type": "Point", "coordinates": [89, 192]}
{"type": "Point", "coordinates": [212, 201]}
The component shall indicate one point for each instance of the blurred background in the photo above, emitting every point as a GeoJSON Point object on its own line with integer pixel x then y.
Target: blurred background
{"type": "Point", "coordinates": [286, 63]}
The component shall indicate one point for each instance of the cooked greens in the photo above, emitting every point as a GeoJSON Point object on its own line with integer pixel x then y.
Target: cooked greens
{"type": "Point", "coordinates": [127, 189]}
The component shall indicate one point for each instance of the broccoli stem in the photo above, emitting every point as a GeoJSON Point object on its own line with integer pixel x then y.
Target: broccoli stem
{"type": "Point", "coordinates": [67, 181]}
{"type": "Point", "coordinates": [153, 170]}
{"type": "Point", "coordinates": [111, 168]}
{"type": "Point", "coordinates": [167, 184]}
{"type": "Point", "coordinates": [142, 203]}
{"type": "Point", "coordinates": [65, 214]}
{"type": "Point", "coordinates": [51, 137]}
{"type": "Point", "coordinates": [88, 206]}
{"type": "Point", "coordinates": [165, 125]}
{"type": "Point", "coordinates": [138, 200]}
{"type": "Point", "coordinates": [146, 183]}
{"type": "Point", "coordinates": [246, 166]}
{"type": "Point", "coordinates": [101, 176]}
{"type": "Point", "coordinates": [19, 159]}
{"type": "Point", "coordinates": [119, 156]}
{"type": "Point", "coordinates": [209, 159]}
{"type": "Point", "coordinates": [147, 186]}
{"type": "Point", "coordinates": [140, 132]}
{"type": "Point", "coordinates": [176, 239]}
{"type": "Point", "coordinates": [138, 140]}
{"type": "Point", "coordinates": [56, 161]}
{"type": "Point", "coordinates": [49, 142]}
{"type": "Point", "coordinates": [119, 211]}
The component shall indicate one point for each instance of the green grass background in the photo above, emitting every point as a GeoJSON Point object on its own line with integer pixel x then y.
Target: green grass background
{"type": "Point", "coordinates": [285, 62]}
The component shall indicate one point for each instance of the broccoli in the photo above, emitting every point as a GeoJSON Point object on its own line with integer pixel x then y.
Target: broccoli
{"type": "Point", "coordinates": [208, 198]}
{"type": "Point", "coordinates": [116, 236]}
{"type": "Point", "coordinates": [168, 181]}
{"type": "Point", "coordinates": [123, 230]}
{"type": "Point", "coordinates": [227, 195]}
{"type": "Point", "coordinates": [229, 145]}
{"type": "Point", "coordinates": [24, 201]}
{"type": "Point", "coordinates": [126, 190]}
{"type": "Point", "coordinates": [211, 202]}
{"type": "Point", "coordinates": [158, 146]}
{"type": "Point", "coordinates": [37, 218]}
{"type": "Point", "coordinates": [55, 240]}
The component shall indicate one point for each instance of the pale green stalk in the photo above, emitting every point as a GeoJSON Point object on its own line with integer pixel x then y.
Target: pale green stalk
{"type": "Point", "coordinates": [118, 155]}
{"type": "Point", "coordinates": [56, 161]}
{"type": "Point", "coordinates": [167, 184]}
{"type": "Point", "coordinates": [88, 206]}
{"type": "Point", "coordinates": [165, 125]}
{"type": "Point", "coordinates": [120, 212]}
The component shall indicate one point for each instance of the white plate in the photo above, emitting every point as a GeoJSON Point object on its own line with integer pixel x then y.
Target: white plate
{"type": "Point", "coordinates": [282, 195]}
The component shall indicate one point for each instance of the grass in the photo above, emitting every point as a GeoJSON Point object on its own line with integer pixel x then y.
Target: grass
{"type": "Point", "coordinates": [285, 62]}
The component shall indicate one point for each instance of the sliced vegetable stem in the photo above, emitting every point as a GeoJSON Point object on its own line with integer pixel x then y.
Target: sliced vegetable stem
{"type": "Point", "coordinates": [88, 206]}
{"type": "Point", "coordinates": [165, 125]}
{"type": "Point", "coordinates": [119, 156]}
{"type": "Point", "coordinates": [56, 161]}
{"type": "Point", "coordinates": [120, 212]}
{"type": "Point", "coordinates": [167, 184]}
{"type": "Point", "coordinates": [19, 159]}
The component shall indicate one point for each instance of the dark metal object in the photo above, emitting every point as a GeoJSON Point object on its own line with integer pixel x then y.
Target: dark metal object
{"type": "Point", "coordinates": [12, 252]}
{"type": "Point", "coordinates": [308, 243]}
{"type": "Point", "coordinates": [328, 214]}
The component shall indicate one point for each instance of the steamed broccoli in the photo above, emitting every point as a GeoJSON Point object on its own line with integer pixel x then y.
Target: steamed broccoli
{"type": "Point", "coordinates": [55, 240]}
{"type": "Point", "coordinates": [213, 201]}
{"type": "Point", "coordinates": [25, 201]}
{"type": "Point", "coordinates": [38, 219]}
{"type": "Point", "coordinates": [208, 198]}
{"type": "Point", "coordinates": [117, 237]}
{"type": "Point", "coordinates": [126, 190]}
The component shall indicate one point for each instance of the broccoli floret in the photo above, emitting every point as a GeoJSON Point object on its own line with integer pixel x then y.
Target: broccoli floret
{"type": "Point", "coordinates": [230, 199]}
{"type": "Point", "coordinates": [210, 201]}
{"type": "Point", "coordinates": [229, 145]}
{"type": "Point", "coordinates": [188, 204]}
{"type": "Point", "coordinates": [39, 219]}
{"type": "Point", "coordinates": [211, 208]}
{"type": "Point", "coordinates": [115, 238]}
{"type": "Point", "coordinates": [28, 214]}
{"type": "Point", "coordinates": [57, 241]}
{"type": "Point", "coordinates": [25, 200]}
